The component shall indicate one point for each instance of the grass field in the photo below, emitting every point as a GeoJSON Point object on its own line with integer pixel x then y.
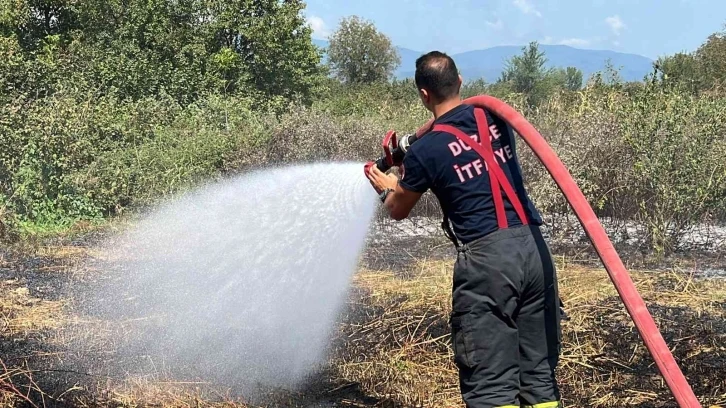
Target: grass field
{"type": "Point", "coordinates": [392, 348]}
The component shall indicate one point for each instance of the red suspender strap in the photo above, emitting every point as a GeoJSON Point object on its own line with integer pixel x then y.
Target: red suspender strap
{"type": "Point", "coordinates": [483, 126]}
{"type": "Point", "coordinates": [497, 179]}
{"type": "Point", "coordinates": [488, 155]}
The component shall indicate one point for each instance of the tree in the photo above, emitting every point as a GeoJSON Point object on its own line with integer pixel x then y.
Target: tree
{"type": "Point", "coordinates": [31, 21]}
{"type": "Point", "coordinates": [573, 79]}
{"type": "Point", "coordinates": [568, 79]}
{"type": "Point", "coordinates": [704, 69]}
{"type": "Point", "coordinates": [358, 53]}
{"type": "Point", "coordinates": [526, 70]}
{"type": "Point", "coordinates": [185, 48]}
{"type": "Point", "coordinates": [526, 73]}
{"type": "Point", "coordinates": [680, 69]}
{"type": "Point", "coordinates": [712, 59]}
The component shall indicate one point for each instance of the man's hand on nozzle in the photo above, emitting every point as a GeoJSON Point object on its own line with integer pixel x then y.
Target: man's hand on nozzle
{"type": "Point", "coordinates": [381, 181]}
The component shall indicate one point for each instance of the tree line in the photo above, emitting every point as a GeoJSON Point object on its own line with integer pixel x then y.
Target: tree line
{"type": "Point", "coordinates": [133, 49]}
{"type": "Point", "coordinates": [191, 48]}
{"type": "Point", "coordinates": [360, 54]}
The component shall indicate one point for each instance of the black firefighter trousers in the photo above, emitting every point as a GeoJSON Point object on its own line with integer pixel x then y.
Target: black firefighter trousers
{"type": "Point", "coordinates": [506, 320]}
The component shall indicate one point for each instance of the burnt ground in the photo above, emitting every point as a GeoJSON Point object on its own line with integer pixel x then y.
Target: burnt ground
{"type": "Point", "coordinates": [39, 285]}
{"type": "Point", "coordinates": [39, 371]}
{"type": "Point", "coordinates": [604, 362]}
{"type": "Point", "coordinates": [701, 254]}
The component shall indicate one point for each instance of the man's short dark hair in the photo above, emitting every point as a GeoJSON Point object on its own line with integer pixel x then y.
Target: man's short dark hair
{"type": "Point", "coordinates": [436, 72]}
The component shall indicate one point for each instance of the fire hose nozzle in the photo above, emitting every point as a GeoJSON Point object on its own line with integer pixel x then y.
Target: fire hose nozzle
{"type": "Point", "coordinates": [394, 149]}
{"type": "Point", "coordinates": [367, 167]}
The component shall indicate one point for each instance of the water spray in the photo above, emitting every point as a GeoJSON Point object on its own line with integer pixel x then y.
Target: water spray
{"type": "Point", "coordinates": [393, 156]}
{"type": "Point", "coordinates": [238, 283]}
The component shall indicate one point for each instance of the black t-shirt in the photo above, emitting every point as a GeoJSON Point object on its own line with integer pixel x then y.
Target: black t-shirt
{"type": "Point", "coordinates": [456, 174]}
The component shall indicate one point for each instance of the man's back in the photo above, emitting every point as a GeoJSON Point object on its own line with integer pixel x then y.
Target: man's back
{"type": "Point", "coordinates": [458, 175]}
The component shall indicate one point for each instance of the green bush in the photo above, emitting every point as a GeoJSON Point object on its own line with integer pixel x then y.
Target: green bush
{"type": "Point", "coordinates": [646, 154]}
{"type": "Point", "coordinates": [64, 159]}
{"type": "Point", "coordinates": [677, 147]}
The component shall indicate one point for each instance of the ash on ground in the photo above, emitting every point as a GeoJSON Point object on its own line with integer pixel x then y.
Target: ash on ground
{"type": "Point", "coordinates": [701, 254]}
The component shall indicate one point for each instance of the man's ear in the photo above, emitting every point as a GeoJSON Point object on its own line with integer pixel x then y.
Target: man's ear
{"type": "Point", "coordinates": [425, 96]}
{"type": "Point", "coordinates": [461, 81]}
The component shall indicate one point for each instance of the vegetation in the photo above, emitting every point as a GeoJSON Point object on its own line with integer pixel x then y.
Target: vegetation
{"type": "Point", "coordinates": [107, 106]}
{"type": "Point", "coordinates": [701, 71]}
{"type": "Point", "coordinates": [360, 54]}
{"type": "Point", "coordinates": [647, 155]}
{"type": "Point", "coordinates": [526, 74]}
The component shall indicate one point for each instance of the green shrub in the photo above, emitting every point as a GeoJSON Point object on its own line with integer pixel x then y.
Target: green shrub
{"type": "Point", "coordinates": [677, 147]}
{"type": "Point", "coordinates": [644, 154]}
{"type": "Point", "coordinates": [65, 159]}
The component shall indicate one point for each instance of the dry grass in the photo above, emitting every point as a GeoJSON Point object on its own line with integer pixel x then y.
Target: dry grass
{"type": "Point", "coordinates": [40, 334]}
{"type": "Point", "coordinates": [397, 345]}
{"type": "Point", "coordinates": [21, 313]}
{"type": "Point", "coordinates": [22, 316]}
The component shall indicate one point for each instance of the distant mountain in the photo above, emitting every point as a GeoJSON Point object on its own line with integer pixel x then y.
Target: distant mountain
{"type": "Point", "coordinates": [489, 63]}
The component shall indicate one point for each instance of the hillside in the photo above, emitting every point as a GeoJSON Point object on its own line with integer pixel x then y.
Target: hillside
{"type": "Point", "coordinates": [489, 63]}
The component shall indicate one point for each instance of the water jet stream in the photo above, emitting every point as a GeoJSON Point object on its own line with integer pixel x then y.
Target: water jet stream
{"type": "Point", "coordinates": [241, 281]}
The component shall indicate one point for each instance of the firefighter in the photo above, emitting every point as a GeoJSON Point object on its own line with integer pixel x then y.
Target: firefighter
{"type": "Point", "coordinates": [505, 320]}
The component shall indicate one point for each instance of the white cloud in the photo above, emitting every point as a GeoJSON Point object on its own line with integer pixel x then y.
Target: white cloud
{"type": "Point", "coordinates": [526, 7]}
{"type": "Point", "coordinates": [496, 25]}
{"type": "Point", "coordinates": [575, 42]}
{"type": "Point", "coordinates": [572, 42]}
{"type": "Point", "coordinates": [320, 29]}
{"type": "Point", "coordinates": [616, 24]}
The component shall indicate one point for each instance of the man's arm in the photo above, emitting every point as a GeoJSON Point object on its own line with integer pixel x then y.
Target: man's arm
{"type": "Point", "coordinates": [399, 201]}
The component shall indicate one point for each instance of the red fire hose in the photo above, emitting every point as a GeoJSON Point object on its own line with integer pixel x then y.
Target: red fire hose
{"type": "Point", "coordinates": [614, 266]}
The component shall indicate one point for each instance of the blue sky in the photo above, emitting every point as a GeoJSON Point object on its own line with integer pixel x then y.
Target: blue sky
{"type": "Point", "coordinates": [647, 27]}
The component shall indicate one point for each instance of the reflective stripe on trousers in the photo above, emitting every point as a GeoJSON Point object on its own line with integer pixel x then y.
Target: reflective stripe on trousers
{"type": "Point", "coordinates": [553, 404]}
